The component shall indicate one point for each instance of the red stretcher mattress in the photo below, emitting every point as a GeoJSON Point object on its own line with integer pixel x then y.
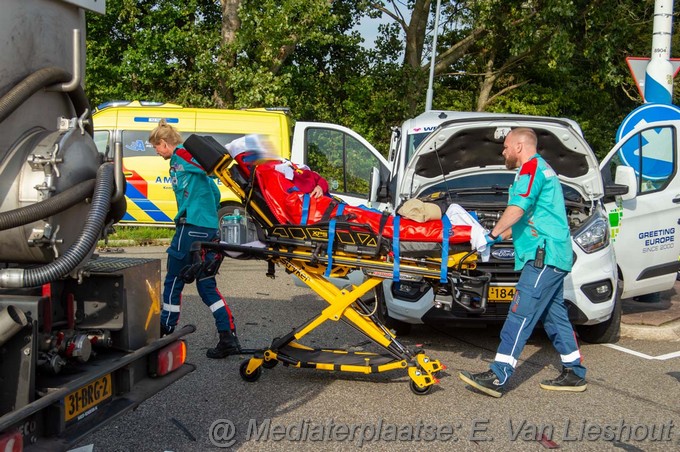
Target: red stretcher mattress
{"type": "Point", "coordinates": [286, 203]}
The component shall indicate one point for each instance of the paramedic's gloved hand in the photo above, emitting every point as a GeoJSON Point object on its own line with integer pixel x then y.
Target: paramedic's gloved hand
{"type": "Point", "coordinates": [491, 240]}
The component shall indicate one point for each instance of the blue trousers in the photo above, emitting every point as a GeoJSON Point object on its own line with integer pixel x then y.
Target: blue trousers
{"type": "Point", "coordinates": [539, 296]}
{"type": "Point", "coordinates": [178, 258]}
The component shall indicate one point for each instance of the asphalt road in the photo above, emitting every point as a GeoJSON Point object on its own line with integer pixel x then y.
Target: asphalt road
{"type": "Point", "coordinates": [632, 402]}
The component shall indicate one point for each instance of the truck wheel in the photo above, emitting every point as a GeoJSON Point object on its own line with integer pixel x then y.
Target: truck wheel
{"type": "Point", "coordinates": [399, 327]}
{"type": "Point", "coordinates": [607, 332]}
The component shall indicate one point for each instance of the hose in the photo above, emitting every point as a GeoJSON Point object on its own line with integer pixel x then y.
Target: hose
{"type": "Point", "coordinates": [87, 239]}
{"type": "Point", "coordinates": [51, 206]}
{"type": "Point", "coordinates": [38, 80]}
{"type": "Point", "coordinates": [101, 200]}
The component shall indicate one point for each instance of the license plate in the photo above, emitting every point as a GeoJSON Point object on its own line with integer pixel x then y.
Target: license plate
{"type": "Point", "coordinates": [84, 399]}
{"type": "Point", "coordinates": [503, 294]}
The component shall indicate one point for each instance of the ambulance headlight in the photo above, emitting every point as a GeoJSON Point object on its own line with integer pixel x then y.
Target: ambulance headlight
{"type": "Point", "coordinates": [594, 235]}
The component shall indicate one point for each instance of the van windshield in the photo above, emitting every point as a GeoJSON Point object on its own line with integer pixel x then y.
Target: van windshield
{"type": "Point", "coordinates": [412, 143]}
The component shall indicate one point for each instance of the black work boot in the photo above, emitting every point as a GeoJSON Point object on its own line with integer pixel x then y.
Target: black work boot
{"type": "Point", "coordinates": [165, 330]}
{"type": "Point", "coordinates": [487, 382]}
{"type": "Point", "coordinates": [228, 345]}
{"type": "Point", "coordinates": [566, 381]}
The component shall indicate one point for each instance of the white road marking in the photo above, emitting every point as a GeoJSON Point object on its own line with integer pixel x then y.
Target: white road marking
{"type": "Point", "coordinates": [643, 355]}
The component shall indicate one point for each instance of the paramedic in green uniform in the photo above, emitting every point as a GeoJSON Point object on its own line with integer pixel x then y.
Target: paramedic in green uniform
{"type": "Point", "coordinates": [197, 199]}
{"type": "Point", "coordinates": [537, 222]}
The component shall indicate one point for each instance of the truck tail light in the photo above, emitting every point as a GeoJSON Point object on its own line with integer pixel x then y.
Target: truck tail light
{"type": "Point", "coordinates": [12, 441]}
{"type": "Point", "coordinates": [167, 359]}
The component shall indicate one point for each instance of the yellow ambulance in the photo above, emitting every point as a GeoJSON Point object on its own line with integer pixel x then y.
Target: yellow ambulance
{"type": "Point", "coordinates": [150, 199]}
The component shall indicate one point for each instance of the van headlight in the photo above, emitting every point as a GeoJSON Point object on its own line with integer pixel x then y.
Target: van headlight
{"type": "Point", "coordinates": [594, 235]}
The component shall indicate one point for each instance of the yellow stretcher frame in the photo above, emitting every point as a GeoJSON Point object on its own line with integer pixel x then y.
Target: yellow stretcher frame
{"type": "Point", "coordinates": [344, 304]}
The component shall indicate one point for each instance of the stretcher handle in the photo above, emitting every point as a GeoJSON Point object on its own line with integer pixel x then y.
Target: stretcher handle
{"type": "Point", "coordinates": [191, 271]}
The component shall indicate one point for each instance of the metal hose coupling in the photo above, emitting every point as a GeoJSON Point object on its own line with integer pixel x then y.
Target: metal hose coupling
{"type": "Point", "coordinates": [11, 277]}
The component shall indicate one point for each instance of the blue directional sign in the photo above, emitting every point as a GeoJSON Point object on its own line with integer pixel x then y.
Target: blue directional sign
{"type": "Point", "coordinates": [657, 161]}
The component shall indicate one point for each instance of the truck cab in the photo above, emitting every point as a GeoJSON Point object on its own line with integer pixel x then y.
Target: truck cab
{"type": "Point", "coordinates": [79, 333]}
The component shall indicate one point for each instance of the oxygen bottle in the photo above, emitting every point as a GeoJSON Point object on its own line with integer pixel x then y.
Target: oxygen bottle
{"type": "Point", "coordinates": [233, 228]}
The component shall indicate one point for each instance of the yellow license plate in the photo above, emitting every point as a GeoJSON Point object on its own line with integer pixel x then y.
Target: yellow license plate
{"type": "Point", "coordinates": [87, 397]}
{"type": "Point", "coordinates": [503, 294]}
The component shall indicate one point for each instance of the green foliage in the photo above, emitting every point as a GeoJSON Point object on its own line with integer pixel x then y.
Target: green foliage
{"type": "Point", "coordinates": [153, 50]}
{"type": "Point", "coordinates": [547, 57]}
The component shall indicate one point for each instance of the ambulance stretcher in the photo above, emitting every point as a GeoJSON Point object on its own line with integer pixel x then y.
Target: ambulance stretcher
{"type": "Point", "coordinates": [317, 239]}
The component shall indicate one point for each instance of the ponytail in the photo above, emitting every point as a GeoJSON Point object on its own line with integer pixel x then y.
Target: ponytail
{"type": "Point", "coordinates": [165, 131]}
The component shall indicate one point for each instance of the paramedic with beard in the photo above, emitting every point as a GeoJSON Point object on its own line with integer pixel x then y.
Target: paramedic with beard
{"type": "Point", "coordinates": [536, 220]}
{"type": "Point", "coordinates": [197, 199]}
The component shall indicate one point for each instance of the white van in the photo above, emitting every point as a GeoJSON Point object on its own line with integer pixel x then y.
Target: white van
{"type": "Point", "coordinates": [458, 154]}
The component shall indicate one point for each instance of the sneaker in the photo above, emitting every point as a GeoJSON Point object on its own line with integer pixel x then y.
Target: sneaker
{"type": "Point", "coordinates": [487, 382]}
{"type": "Point", "coordinates": [165, 330]}
{"type": "Point", "coordinates": [566, 381]}
{"type": "Point", "coordinates": [228, 345]}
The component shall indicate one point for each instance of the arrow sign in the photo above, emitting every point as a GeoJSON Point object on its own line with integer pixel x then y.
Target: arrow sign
{"type": "Point", "coordinates": [657, 158]}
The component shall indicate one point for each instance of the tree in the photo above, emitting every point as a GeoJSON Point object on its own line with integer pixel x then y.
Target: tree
{"type": "Point", "coordinates": [545, 57]}
{"type": "Point", "coordinates": [151, 50]}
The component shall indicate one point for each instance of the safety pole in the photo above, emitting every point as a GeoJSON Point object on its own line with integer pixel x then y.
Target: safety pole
{"type": "Point", "coordinates": [428, 98]}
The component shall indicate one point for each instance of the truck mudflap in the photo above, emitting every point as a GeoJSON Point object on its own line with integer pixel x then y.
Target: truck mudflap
{"type": "Point", "coordinates": [120, 382]}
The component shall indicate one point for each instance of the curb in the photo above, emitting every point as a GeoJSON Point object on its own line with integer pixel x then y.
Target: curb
{"type": "Point", "coordinates": [667, 332]}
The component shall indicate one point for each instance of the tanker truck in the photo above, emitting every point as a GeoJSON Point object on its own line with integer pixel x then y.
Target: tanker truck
{"type": "Point", "coordinates": [79, 332]}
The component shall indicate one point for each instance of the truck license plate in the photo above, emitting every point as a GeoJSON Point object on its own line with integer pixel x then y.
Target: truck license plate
{"type": "Point", "coordinates": [503, 294]}
{"type": "Point", "coordinates": [84, 399]}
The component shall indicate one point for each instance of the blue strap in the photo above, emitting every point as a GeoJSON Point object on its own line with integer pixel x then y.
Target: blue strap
{"type": "Point", "coordinates": [329, 248]}
{"type": "Point", "coordinates": [305, 209]}
{"type": "Point", "coordinates": [331, 237]}
{"type": "Point", "coordinates": [395, 247]}
{"type": "Point", "coordinates": [446, 229]}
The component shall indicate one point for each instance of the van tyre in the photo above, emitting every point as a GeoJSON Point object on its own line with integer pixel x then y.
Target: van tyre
{"type": "Point", "coordinates": [400, 328]}
{"type": "Point", "coordinates": [607, 332]}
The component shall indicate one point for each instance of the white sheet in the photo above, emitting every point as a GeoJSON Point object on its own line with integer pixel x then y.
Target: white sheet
{"type": "Point", "coordinates": [458, 215]}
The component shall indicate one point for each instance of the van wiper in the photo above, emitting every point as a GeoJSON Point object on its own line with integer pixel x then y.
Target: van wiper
{"type": "Point", "coordinates": [490, 190]}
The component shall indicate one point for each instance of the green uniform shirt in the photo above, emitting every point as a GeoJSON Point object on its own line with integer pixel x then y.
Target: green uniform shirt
{"type": "Point", "coordinates": [197, 195]}
{"type": "Point", "coordinates": [538, 192]}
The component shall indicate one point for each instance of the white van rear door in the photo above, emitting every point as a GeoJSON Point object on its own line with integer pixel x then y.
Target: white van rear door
{"type": "Point", "coordinates": [645, 229]}
{"type": "Point", "coordinates": [343, 157]}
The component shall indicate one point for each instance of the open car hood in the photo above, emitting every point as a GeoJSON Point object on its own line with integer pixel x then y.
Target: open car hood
{"type": "Point", "coordinates": [474, 141]}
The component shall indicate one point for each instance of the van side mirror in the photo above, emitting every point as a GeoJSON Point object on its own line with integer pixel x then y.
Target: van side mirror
{"type": "Point", "coordinates": [373, 186]}
{"type": "Point", "coordinates": [624, 179]}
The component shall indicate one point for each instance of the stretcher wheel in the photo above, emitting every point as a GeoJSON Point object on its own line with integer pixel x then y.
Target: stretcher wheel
{"type": "Point", "coordinates": [417, 390]}
{"type": "Point", "coordinates": [252, 377]}
{"type": "Point", "coordinates": [270, 364]}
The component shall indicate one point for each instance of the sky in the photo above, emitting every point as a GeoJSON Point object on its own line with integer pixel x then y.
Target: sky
{"type": "Point", "coordinates": [369, 29]}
